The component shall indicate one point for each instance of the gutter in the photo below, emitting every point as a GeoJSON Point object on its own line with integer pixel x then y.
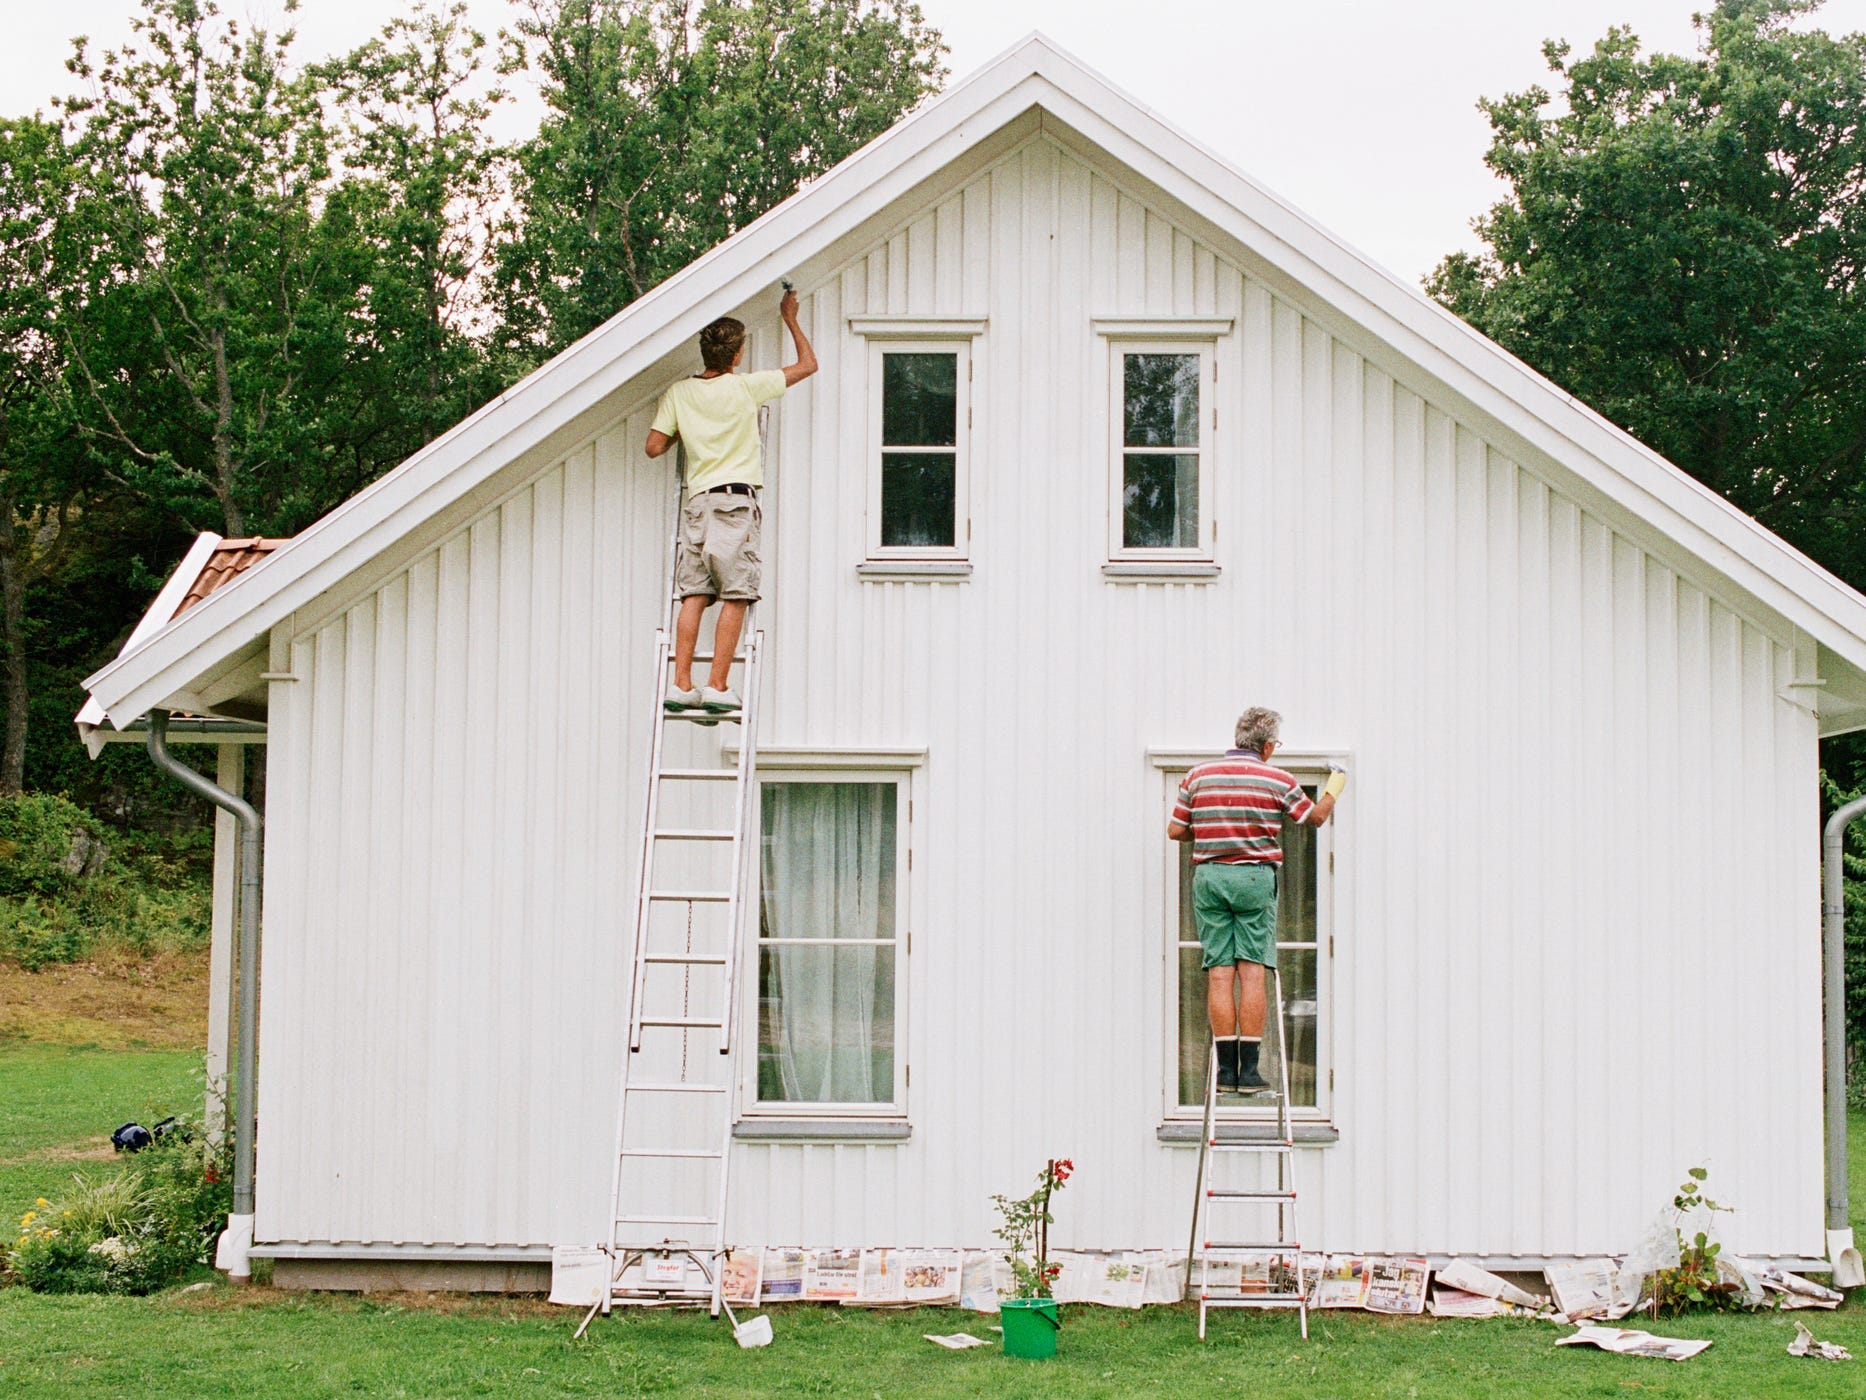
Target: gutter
{"type": "Point", "coordinates": [1848, 1272]}
{"type": "Point", "coordinates": [234, 1253]}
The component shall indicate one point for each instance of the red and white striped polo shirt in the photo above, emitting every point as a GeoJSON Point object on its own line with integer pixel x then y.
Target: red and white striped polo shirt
{"type": "Point", "coordinates": [1235, 806]}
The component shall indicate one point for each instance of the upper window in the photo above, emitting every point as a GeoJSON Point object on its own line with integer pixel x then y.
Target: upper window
{"type": "Point", "coordinates": [1162, 455]}
{"type": "Point", "coordinates": [917, 478]}
{"type": "Point", "coordinates": [829, 938]}
{"type": "Point", "coordinates": [1301, 959]}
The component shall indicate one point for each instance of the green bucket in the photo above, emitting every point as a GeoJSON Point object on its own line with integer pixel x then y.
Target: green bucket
{"type": "Point", "coordinates": [1030, 1327]}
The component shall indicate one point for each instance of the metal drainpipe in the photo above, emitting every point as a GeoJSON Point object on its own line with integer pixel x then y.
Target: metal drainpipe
{"type": "Point", "coordinates": [235, 1250]}
{"type": "Point", "coordinates": [1840, 1249]}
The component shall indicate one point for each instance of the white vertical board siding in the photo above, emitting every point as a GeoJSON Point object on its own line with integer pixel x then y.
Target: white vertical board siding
{"type": "Point", "coordinates": [1576, 917]}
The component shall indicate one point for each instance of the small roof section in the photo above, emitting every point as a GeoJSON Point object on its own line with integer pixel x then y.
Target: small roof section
{"type": "Point", "coordinates": [1482, 379]}
{"type": "Point", "coordinates": [210, 564]}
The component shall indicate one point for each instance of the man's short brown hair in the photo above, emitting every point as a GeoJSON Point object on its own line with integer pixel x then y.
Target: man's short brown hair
{"type": "Point", "coordinates": [721, 342]}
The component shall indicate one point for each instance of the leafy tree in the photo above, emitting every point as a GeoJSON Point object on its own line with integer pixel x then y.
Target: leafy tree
{"type": "Point", "coordinates": [1682, 248]}
{"type": "Point", "coordinates": [211, 361]}
{"type": "Point", "coordinates": [416, 219]}
{"type": "Point", "coordinates": [42, 471]}
{"type": "Point", "coordinates": [674, 123]}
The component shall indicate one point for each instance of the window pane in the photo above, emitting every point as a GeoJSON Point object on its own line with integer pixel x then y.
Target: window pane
{"type": "Point", "coordinates": [1160, 506]}
{"type": "Point", "coordinates": [826, 1014]}
{"type": "Point", "coordinates": [920, 400]}
{"type": "Point", "coordinates": [825, 1024]}
{"type": "Point", "coordinates": [1161, 395]}
{"type": "Point", "coordinates": [917, 499]}
{"type": "Point", "coordinates": [1302, 1009]}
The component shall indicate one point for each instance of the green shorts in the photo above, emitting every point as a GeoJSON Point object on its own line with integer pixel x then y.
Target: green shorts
{"type": "Point", "coordinates": [1235, 906]}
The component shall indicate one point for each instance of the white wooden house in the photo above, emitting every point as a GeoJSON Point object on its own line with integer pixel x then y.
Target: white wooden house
{"type": "Point", "coordinates": [1561, 944]}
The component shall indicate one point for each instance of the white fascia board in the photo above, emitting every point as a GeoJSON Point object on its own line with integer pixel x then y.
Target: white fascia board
{"type": "Point", "coordinates": [563, 390]}
{"type": "Point", "coordinates": [1469, 363]}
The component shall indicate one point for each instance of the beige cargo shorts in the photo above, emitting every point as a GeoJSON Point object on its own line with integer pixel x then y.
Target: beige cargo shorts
{"type": "Point", "coordinates": [718, 555]}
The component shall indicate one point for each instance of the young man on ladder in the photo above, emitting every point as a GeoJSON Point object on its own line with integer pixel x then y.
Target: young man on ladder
{"type": "Point", "coordinates": [715, 417]}
{"type": "Point", "coordinates": [1231, 809]}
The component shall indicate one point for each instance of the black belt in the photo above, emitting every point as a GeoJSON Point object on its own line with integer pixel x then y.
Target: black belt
{"type": "Point", "coordinates": [731, 488]}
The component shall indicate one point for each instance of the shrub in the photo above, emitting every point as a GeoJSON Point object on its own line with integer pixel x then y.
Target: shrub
{"type": "Point", "coordinates": [47, 845]}
{"type": "Point", "coordinates": [132, 1231]}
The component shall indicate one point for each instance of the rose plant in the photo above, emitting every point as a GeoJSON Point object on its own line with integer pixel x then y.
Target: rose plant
{"type": "Point", "coordinates": [1025, 1230]}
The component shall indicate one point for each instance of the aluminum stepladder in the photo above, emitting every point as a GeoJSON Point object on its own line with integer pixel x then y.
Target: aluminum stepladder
{"type": "Point", "coordinates": [1286, 1279]}
{"type": "Point", "coordinates": [664, 1217]}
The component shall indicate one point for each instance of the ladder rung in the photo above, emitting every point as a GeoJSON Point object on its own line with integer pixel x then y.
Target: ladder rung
{"type": "Point", "coordinates": [699, 959]}
{"type": "Point", "coordinates": [676, 1088]}
{"type": "Point", "coordinates": [692, 896]}
{"type": "Point", "coordinates": [702, 774]}
{"type": "Point", "coordinates": [1254, 1300]}
{"type": "Point", "coordinates": [694, 1152]}
{"type": "Point", "coordinates": [737, 656]}
{"type": "Point", "coordinates": [665, 1220]}
{"type": "Point", "coordinates": [684, 1022]}
{"type": "Point", "coordinates": [1267, 1145]}
{"type": "Point", "coordinates": [1257, 1246]}
{"type": "Point", "coordinates": [694, 833]}
{"type": "Point", "coordinates": [706, 716]}
{"type": "Point", "coordinates": [1251, 1195]}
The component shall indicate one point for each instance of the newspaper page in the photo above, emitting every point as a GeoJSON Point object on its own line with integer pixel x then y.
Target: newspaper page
{"type": "Point", "coordinates": [1467, 1277]}
{"type": "Point", "coordinates": [739, 1276]}
{"type": "Point", "coordinates": [1794, 1290]}
{"type": "Point", "coordinates": [831, 1275]}
{"type": "Point", "coordinates": [1455, 1302]}
{"type": "Point", "coordinates": [880, 1280]}
{"type": "Point", "coordinates": [1341, 1283]}
{"type": "Point", "coordinates": [1253, 1275]}
{"type": "Point", "coordinates": [1117, 1280]}
{"type": "Point", "coordinates": [578, 1274]}
{"type": "Point", "coordinates": [782, 1277]}
{"type": "Point", "coordinates": [931, 1275]}
{"type": "Point", "coordinates": [1585, 1288]}
{"type": "Point", "coordinates": [1166, 1278]}
{"type": "Point", "coordinates": [986, 1278]}
{"type": "Point", "coordinates": [1625, 1341]}
{"type": "Point", "coordinates": [1396, 1285]}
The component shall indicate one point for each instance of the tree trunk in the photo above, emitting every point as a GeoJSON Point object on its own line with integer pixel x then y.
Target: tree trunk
{"type": "Point", "coordinates": [223, 428]}
{"type": "Point", "coordinates": [13, 669]}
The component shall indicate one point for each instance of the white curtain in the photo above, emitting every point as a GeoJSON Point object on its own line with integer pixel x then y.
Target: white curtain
{"type": "Point", "coordinates": [826, 1014]}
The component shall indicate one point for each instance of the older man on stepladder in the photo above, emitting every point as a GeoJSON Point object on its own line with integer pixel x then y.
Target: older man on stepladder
{"type": "Point", "coordinates": [1231, 809]}
{"type": "Point", "coordinates": [715, 416]}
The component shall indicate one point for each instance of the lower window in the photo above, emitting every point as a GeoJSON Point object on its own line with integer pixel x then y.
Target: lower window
{"type": "Point", "coordinates": [828, 943]}
{"type": "Point", "coordinates": [1299, 949]}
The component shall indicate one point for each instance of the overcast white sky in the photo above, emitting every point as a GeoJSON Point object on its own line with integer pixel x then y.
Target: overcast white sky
{"type": "Point", "coordinates": [1360, 112]}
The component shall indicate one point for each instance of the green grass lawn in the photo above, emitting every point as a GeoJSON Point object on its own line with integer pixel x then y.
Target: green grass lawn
{"type": "Point", "coordinates": [220, 1341]}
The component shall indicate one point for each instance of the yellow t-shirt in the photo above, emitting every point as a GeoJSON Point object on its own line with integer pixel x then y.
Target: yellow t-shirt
{"type": "Point", "coordinates": [716, 421]}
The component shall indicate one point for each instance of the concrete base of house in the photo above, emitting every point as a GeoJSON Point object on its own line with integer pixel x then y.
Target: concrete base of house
{"type": "Point", "coordinates": [359, 1276]}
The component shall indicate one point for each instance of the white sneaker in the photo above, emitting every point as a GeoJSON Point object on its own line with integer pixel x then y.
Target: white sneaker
{"type": "Point", "coordinates": [718, 702]}
{"type": "Point", "coordinates": [678, 699]}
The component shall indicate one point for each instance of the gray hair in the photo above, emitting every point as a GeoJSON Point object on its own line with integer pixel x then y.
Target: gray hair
{"type": "Point", "coordinates": [1257, 727]}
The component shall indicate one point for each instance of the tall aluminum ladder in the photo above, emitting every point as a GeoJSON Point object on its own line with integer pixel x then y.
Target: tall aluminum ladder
{"type": "Point", "coordinates": [1286, 1278]}
{"type": "Point", "coordinates": [667, 1222]}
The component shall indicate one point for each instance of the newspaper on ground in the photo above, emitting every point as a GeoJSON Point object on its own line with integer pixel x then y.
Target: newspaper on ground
{"type": "Point", "coordinates": [1467, 1277]}
{"type": "Point", "coordinates": [1455, 1302]}
{"type": "Point", "coordinates": [782, 1278]}
{"type": "Point", "coordinates": [1626, 1341]}
{"type": "Point", "coordinates": [1795, 1291]}
{"type": "Point", "coordinates": [1807, 1344]}
{"type": "Point", "coordinates": [955, 1341]}
{"type": "Point", "coordinates": [1341, 1282]}
{"type": "Point", "coordinates": [1587, 1288]}
{"type": "Point", "coordinates": [578, 1273]}
{"type": "Point", "coordinates": [1396, 1285]}
{"type": "Point", "coordinates": [739, 1276]}
{"type": "Point", "coordinates": [909, 1276]}
{"type": "Point", "coordinates": [831, 1275]}
{"type": "Point", "coordinates": [1166, 1279]}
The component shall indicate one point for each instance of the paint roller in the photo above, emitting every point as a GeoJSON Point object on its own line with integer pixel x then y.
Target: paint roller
{"type": "Point", "coordinates": [1337, 780]}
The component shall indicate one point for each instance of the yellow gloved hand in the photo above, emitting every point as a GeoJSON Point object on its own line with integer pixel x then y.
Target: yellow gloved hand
{"type": "Point", "coordinates": [1337, 780]}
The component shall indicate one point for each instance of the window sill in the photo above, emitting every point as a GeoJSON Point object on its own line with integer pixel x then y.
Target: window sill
{"type": "Point", "coordinates": [821, 1130]}
{"type": "Point", "coordinates": [1170, 571]}
{"type": "Point", "coordinates": [914, 571]}
{"type": "Point", "coordinates": [1185, 1133]}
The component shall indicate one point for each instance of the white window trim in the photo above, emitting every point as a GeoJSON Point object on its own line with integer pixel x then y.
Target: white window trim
{"type": "Point", "coordinates": [960, 550]}
{"type": "Point", "coordinates": [816, 766]}
{"type": "Point", "coordinates": [1310, 767]}
{"type": "Point", "coordinates": [1205, 346]}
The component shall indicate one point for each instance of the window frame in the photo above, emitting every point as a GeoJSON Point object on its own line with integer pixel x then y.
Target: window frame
{"type": "Point", "coordinates": [1310, 768]}
{"type": "Point", "coordinates": [829, 769]}
{"type": "Point", "coordinates": [1205, 346]}
{"type": "Point", "coordinates": [959, 345]}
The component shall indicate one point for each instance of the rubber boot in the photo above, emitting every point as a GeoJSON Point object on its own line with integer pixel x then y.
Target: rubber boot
{"type": "Point", "coordinates": [1227, 1065]}
{"type": "Point", "coordinates": [1248, 1080]}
